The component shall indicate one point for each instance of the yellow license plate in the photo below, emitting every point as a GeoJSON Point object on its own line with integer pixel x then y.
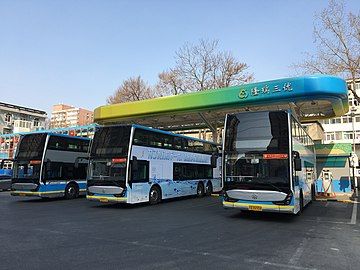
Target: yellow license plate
{"type": "Point", "coordinates": [22, 194]}
{"type": "Point", "coordinates": [104, 200]}
{"type": "Point", "coordinates": [255, 208]}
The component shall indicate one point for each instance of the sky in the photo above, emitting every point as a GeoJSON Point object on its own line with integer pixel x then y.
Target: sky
{"type": "Point", "coordinates": [78, 52]}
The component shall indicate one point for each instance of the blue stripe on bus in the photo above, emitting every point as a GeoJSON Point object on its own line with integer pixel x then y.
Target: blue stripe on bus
{"type": "Point", "coordinates": [58, 187]}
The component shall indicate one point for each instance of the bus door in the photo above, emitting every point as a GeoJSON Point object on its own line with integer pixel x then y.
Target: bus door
{"type": "Point", "coordinates": [139, 179]}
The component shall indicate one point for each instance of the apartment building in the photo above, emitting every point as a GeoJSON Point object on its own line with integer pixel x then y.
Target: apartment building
{"type": "Point", "coordinates": [15, 119]}
{"type": "Point", "coordinates": [342, 135]}
{"type": "Point", "coordinates": [63, 115]}
{"type": "Point", "coordinates": [343, 129]}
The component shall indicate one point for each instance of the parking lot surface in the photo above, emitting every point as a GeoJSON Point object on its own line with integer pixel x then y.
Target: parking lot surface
{"type": "Point", "coordinates": [189, 233]}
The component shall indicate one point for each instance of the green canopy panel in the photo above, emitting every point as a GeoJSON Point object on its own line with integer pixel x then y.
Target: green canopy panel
{"type": "Point", "coordinates": [311, 97]}
{"type": "Point", "coordinates": [333, 149]}
{"type": "Point", "coordinates": [332, 162]}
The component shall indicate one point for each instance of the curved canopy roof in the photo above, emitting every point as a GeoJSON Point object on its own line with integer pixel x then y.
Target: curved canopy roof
{"type": "Point", "coordinates": [312, 97]}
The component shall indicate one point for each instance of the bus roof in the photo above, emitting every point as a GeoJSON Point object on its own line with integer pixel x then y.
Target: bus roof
{"type": "Point", "coordinates": [161, 131]}
{"type": "Point", "coordinates": [58, 135]}
{"type": "Point", "coordinates": [312, 97]}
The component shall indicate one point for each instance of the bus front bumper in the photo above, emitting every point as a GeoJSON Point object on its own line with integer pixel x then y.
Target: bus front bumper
{"type": "Point", "coordinates": [41, 194]}
{"type": "Point", "coordinates": [106, 199]}
{"type": "Point", "coordinates": [258, 207]}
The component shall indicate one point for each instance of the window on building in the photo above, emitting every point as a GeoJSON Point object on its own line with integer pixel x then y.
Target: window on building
{"type": "Point", "coordinates": [330, 136]}
{"type": "Point", "coordinates": [357, 134]}
{"type": "Point", "coordinates": [348, 135]}
{"type": "Point", "coordinates": [8, 118]}
{"type": "Point", "coordinates": [335, 120]}
{"type": "Point", "coordinates": [347, 119]}
{"type": "Point", "coordinates": [36, 122]}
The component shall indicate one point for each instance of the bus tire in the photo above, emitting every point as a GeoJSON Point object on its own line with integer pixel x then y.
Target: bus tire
{"type": "Point", "coordinates": [71, 191]}
{"type": "Point", "coordinates": [200, 190]}
{"type": "Point", "coordinates": [155, 195]}
{"type": "Point", "coordinates": [209, 188]}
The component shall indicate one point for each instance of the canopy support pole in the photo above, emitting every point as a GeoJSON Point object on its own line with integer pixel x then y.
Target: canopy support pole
{"type": "Point", "coordinates": [211, 127]}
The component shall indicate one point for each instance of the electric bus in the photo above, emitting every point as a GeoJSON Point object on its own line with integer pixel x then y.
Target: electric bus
{"type": "Point", "coordinates": [268, 162]}
{"type": "Point", "coordinates": [44, 166]}
{"type": "Point", "coordinates": [136, 164]}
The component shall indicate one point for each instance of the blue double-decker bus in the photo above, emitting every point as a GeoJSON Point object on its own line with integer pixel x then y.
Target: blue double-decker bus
{"type": "Point", "coordinates": [50, 165]}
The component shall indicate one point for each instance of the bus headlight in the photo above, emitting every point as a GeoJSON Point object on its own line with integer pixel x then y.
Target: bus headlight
{"type": "Point", "coordinates": [286, 201]}
{"type": "Point", "coordinates": [227, 198]}
{"type": "Point", "coordinates": [122, 194]}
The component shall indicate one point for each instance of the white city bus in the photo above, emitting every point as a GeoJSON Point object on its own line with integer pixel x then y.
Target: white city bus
{"type": "Point", "coordinates": [45, 166]}
{"type": "Point", "coordinates": [134, 164]}
{"type": "Point", "coordinates": [268, 162]}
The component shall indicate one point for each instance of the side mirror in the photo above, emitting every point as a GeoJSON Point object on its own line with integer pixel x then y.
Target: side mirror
{"type": "Point", "coordinates": [214, 160]}
{"type": "Point", "coordinates": [297, 164]}
{"type": "Point", "coordinates": [135, 164]}
{"type": "Point", "coordinates": [77, 161]}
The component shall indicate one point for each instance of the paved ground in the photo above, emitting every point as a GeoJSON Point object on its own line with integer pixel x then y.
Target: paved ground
{"type": "Point", "coordinates": [181, 234]}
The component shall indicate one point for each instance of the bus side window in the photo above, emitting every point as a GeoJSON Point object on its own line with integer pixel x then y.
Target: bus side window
{"type": "Point", "coordinates": [80, 172]}
{"type": "Point", "coordinates": [142, 173]}
{"type": "Point", "coordinates": [141, 137]}
{"type": "Point", "coordinates": [168, 142]}
{"type": "Point", "coordinates": [177, 171]}
{"type": "Point", "coordinates": [177, 143]}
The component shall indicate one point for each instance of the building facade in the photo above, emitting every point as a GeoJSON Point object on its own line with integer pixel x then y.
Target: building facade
{"type": "Point", "coordinates": [342, 129]}
{"type": "Point", "coordinates": [63, 115]}
{"type": "Point", "coordinates": [345, 130]}
{"type": "Point", "coordinates": [15, 119]}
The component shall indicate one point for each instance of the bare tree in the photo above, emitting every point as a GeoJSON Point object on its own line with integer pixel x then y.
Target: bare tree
{"type": "Point", "coordinates": [170, 83]}
{"type": "Point", "coordinates": [337, 36]}
{"type": "Point", "coordinates": [201, 67]}
{"type": "Point", "coordinates": [132, 89]}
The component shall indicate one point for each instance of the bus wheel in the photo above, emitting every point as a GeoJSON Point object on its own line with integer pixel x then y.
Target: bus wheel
{"type": "Point", "coordinates": [154, 195]}
{"type": "Point", "coordinates": [71, 191]}
{"type": "Point", "coordinates": [200, 189]}
{"type": "Point", "coordinates": [209, 189]}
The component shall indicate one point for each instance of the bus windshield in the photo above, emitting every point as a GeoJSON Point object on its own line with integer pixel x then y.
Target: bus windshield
{"type": "Point", "coordinates": [31, 146]}
{"type": "Point", "coordinates": [108, 170]}
{"type": "Point", "coordinates": [27, 170]}
{"type": "Point", "coordinates": [111, 141]}
{"type": "Point", "coordinates": [257, 150]}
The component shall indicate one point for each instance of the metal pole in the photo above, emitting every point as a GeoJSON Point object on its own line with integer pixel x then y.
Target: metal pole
{"type": "Point", "coordinates": [354, 146]}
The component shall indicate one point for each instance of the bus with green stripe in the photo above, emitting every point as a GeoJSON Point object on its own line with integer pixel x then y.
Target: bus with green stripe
{"type": "Point", "coordinates": [49, 165]}
{"type": "Point", "coordinates": [268, 162]}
